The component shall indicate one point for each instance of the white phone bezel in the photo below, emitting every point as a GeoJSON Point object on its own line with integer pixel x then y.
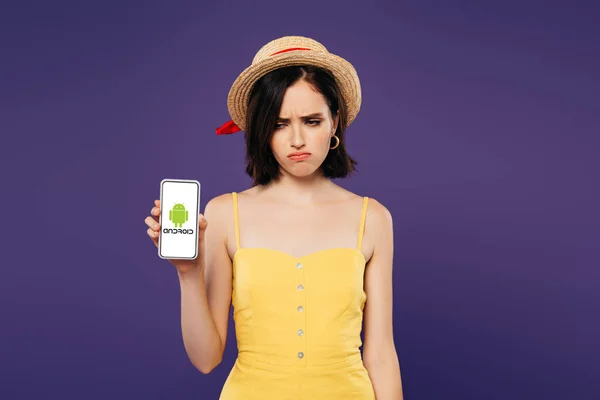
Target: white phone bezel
{"type": "Point", "coordinates": [162, 182]}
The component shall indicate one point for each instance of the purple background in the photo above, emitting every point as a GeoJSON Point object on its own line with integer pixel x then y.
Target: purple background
{"type": "Point", "coordinates": [478, 130]}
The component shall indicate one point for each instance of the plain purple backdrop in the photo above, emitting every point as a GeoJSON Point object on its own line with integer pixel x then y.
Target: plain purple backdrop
{"type": "Point", "coordinates": [478, 130]}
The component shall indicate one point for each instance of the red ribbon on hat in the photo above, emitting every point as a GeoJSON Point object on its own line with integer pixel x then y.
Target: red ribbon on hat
{"type": "Point", "coordinates": [227, 128]}
{"type": "Point", "coordinates": [230, 127]}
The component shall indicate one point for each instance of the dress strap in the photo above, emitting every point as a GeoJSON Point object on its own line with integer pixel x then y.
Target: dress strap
{"type": "Point", "coordinates": [362, 222]}
{"type": "Point", "coordinates": [235, 221]}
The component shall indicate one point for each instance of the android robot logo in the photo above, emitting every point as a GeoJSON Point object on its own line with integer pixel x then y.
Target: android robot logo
{"type": "Point", "coordinates": [178, 215]}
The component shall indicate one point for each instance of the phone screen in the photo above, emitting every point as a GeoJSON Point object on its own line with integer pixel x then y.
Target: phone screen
{"type": "Point", "coordinates": [180, 206]}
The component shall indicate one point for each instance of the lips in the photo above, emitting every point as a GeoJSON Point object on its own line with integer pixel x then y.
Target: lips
{"type": "Point", "coordinates": [299, 156]}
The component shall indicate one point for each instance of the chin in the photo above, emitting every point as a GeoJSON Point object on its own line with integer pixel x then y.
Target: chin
{"type": "Point", "coordinates": [301, 171]}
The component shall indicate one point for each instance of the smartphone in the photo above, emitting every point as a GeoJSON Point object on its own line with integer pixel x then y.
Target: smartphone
{"type": "Point", "coordinates": [179, 209]}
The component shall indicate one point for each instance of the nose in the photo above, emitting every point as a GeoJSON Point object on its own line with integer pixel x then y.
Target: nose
{"type": "Point", "coordinates": [297, 139]}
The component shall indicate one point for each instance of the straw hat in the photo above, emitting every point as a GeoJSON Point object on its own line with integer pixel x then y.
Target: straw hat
{"type": "Point", "coordinates": [282, 52]}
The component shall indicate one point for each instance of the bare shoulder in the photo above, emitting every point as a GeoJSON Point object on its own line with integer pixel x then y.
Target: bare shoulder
{"type": "Point", "coordinates": [378, 234]}
{"type": "Point", "coordinates": [379, 218]}
{"type": "Point", "coordinates": [220, 216]}
{"type": "Point", "coordinates": [378, 213]}
{"type": "Point", "coordinates": [219, 208]}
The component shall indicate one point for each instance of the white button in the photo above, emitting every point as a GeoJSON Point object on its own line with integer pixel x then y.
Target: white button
{"type": "Point", "coordinates": [299, 265]}
{"type": "Point", "coordinates": [300, 286]}
{"type": "Point", "coordinates": [300, 332]}
{"type": "Point", "coordinates": [300, 355]}
{"type": "Point", "coordinates": [300, 308]}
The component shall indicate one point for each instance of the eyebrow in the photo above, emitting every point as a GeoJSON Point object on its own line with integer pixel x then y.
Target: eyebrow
{"type": "Point", "coordinates": [313, 115]}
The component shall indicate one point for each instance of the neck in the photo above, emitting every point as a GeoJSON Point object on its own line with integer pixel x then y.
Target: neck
{"type": "Point", "coordinates": [299, 190]}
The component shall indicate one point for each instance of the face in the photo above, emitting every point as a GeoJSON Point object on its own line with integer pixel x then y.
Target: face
{"type": "Point", "coordinates": [302, 136]}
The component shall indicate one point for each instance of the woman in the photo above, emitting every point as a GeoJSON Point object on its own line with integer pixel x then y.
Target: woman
{"type": "Point", "coordinates": [297, 255]}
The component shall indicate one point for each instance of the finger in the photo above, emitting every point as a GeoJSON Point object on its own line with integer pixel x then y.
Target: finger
{"type": "Point", "coordinates": [153, 235]}
{"type": "Point", "coordinates": [202, 222]}
{"type": "Point", "coordinates": [155, 211]}
{"type": "Point", "coordinates": [157, 203]}
{"type": "Point", "coordinates": [152, 223]}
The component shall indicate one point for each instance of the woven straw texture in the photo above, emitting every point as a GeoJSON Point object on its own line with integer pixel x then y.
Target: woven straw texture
{"type": "Point", "coordinates": [264, 62]}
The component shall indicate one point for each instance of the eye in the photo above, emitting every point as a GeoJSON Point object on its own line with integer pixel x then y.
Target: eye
{"type": "Point", "coordinates": [314, 122]}
{"type": "Point", "coordinates": [277, 126]}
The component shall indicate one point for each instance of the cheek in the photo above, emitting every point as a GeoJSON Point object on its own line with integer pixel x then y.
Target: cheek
{"type": "Point", "coordinates": [323, 141]}
{"type": "Point", "coordinates": [278, 147]}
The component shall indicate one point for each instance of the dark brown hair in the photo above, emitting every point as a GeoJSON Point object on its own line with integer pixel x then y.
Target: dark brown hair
{"type": "Point", "coordinates": [264, 106]}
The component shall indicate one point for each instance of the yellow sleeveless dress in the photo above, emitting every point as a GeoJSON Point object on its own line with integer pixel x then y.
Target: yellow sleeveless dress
{"type": "Point", "coordinates": [298, 322]}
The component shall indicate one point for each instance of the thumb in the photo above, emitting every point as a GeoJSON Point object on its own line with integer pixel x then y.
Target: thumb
{"type": "Point", "coordinates": [202, 224]}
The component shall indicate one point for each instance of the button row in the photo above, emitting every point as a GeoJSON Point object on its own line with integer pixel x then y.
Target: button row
{"type": "Point", "coordinates": [300, 309]}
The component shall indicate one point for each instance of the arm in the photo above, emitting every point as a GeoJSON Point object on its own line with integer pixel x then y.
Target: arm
{"type": "Point", "coordinates": [206, 291]}
{"type": "Point", "coordinates": [379, 351]}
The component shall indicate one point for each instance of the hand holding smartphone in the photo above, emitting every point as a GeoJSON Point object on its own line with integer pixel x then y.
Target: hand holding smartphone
{"type": "Point", "coordinates": [180, 208]}
{"type": "Point", "coordinates": [175, 224]}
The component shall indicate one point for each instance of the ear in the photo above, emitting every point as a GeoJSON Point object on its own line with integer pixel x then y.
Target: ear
{"type": "Point", "coordinates": [336, 120]}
